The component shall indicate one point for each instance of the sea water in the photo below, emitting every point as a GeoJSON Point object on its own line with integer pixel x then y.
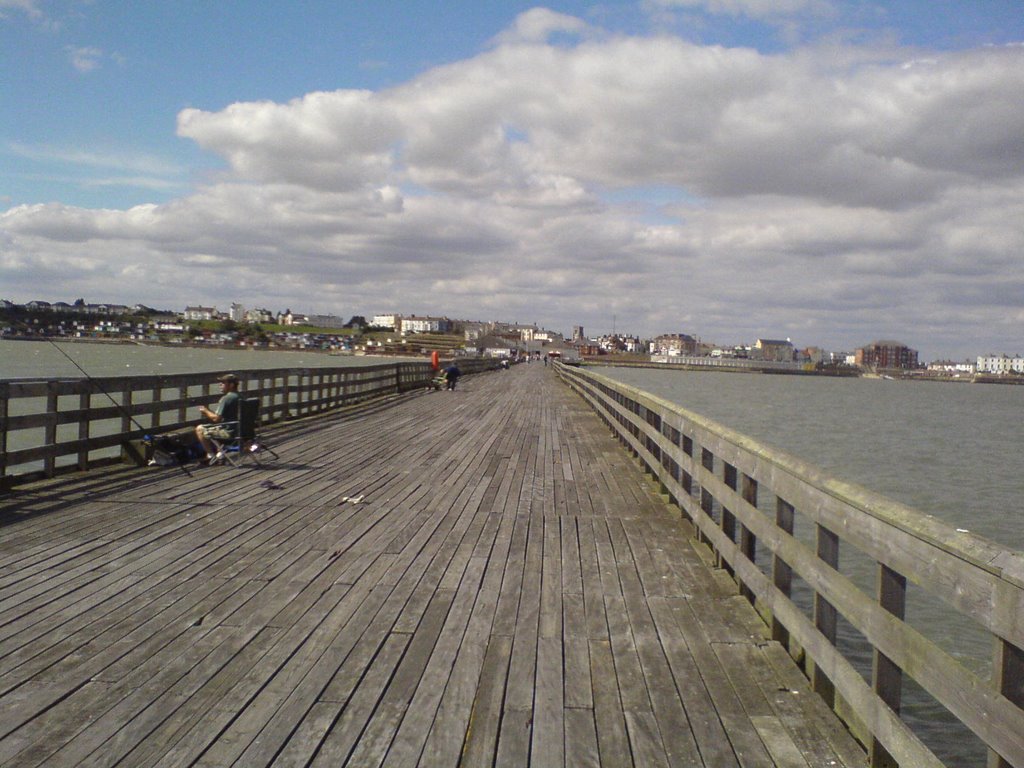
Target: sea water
{"type": "Point", "coordinates": [43, 359]}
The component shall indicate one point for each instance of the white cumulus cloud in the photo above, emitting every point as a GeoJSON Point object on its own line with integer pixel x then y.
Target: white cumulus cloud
{"type": "Point", "coordinates": [832, 195]}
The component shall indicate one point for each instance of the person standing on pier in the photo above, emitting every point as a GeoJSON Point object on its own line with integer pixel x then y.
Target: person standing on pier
{"type": "Point", "coordinates": [223, 418]}
{"type": "Point", "coordinates": [451, 376]}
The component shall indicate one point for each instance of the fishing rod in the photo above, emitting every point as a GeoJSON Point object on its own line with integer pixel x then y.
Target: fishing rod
{"type": "Point", "coordinates": [120, 406]}
{"type": "Point", "coordinates": [96, 386]}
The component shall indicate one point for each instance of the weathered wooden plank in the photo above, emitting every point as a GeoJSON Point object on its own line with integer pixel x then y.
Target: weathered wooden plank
{"type": "Point", "coordinates": [678, 740]}
{"type": "Point", "coordinates": [706, 725]}
{"type": "Point", "coordinates": [482, 738]}
{"type": "Point", "coordinates": [746, 744]}
{"type": "Point", "coordinates": [548, 743]}
{"type": "Point", "coordinates": [522, 671]}
{"type": "Point", "coordinates": [372, 747]}
{"type": "Point", "coordinates": [612, 740]}
{"type": "Point", "coordinates": [550, 620]}
{"type": "Point", "coordinates": [581, 739]}
{"type": "Point", "coordinates": [593, 591]}
{"type": "Point", "coordinates": [343, 724]}
{"type": "Point", "coordinates": [514, 594]}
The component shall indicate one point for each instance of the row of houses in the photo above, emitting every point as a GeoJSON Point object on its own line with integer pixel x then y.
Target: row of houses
{"type": "Point", "coordinates": [1000, 364]}
{"type": "Point", "coordinates": [79, 307]}
{"type": "Point", "coordinates": [883, 354]}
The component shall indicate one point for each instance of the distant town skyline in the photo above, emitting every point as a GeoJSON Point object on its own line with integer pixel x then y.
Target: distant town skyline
{"type": "Point", "coordinates": [816, 169]}
{"type": "Point", "coordinates": [692, 336]}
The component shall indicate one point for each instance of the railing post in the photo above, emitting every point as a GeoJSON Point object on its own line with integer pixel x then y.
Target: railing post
{"type": "Point", "coordinates": [5, 399]}
{"type": "Point", "coordinates": [687, 445]}
{"type": "Point", "coordinates": [83, 428]}
{"type": "Point", "coordinates": [126, 408]}
{"type": "Point", "coordinates": [157, 398]}
{"type": "Point", "coordinates": [728, 521]}
{"type": "Point", "coordinates": [183, 408]}
{"type": "Point", "coordinates": [1008, 676]}
{"type": "Point", "coordinates": [707, 501]}
{"type": "Point", "coordinates": [825, 616]}
{"type": "Point", "coordinates": [748, 541]}
{"type": "Point", "coordinates": [888, 678]}
{"type": "Point", "coordinates": [50, 430]}
{"type": "Point", "coordinates": [782, 573]}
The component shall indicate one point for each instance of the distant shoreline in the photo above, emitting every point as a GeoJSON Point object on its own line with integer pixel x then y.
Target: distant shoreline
{"type": "Point", "coordinates": [180, 345]}
{"type": "Point", "coordinates": [842, 374]}
{"type": "Point", "coordinates": [852, 374]}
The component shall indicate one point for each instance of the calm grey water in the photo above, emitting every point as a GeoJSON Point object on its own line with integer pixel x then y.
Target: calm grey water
{"type": "Point", "coordinates": [948, 450]}
{"type": "Point", "coordinates": [42, 359]}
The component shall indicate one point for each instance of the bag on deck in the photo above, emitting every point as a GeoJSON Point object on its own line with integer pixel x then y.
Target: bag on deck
{"type": "Point", "coordinates": [175, 448]}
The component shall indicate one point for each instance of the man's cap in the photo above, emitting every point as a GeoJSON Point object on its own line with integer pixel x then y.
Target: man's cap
{"type": "Point", "coordinates": [228, 378]}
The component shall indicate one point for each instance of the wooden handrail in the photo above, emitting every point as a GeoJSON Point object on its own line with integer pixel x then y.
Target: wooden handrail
{"type": "Point", "coordinates": [724, 481]}
{"type": "Point", "coordinates": [44, 422]}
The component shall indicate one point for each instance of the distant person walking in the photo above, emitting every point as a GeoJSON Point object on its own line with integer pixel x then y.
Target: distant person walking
{"type": "Point", "coordinates": [451, 376]}
{"type": "Point", "coordinates": [222, 419]}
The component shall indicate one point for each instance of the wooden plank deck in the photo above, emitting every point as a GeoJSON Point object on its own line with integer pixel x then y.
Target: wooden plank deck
{"type": "Point", "coordinates": [478, 578]}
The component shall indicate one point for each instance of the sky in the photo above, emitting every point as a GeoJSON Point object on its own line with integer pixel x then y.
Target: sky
{"type": "Point", "coordinates": [830, 172]}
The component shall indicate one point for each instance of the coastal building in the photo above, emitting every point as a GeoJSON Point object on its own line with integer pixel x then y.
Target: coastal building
{"type": "Point", "coordinates": [386, 321]}
{"type": "Point", "coordinates": [674, 344]}
{"type": "Point", "coordinates": [617, 344]}
{"type": "Point", "coordinates": [814, 355]}
{"type": "Point", "coordinates": [259, 315]}
{"type": "Point", "coordinates": [949, 366]}
{"type": "Point", "coordinates": [577, 333]}
{"type": "Point", "coordinates": [586, 348]}
{"type": "Point", "coordinates": [1000, 364]}
{"type": "Point", "coordinates": [326, 321]}
{"type": "Point", "coordinates": [495, 346]}
{"type": "Point", "coordinates": [548, 337]}
{"type": "Point", "coordinates": [200, 313]}
{"type": "Point", "coordinates": [292, 318]}
{"type": "Point", "coordinates": [414, 324]}
{"type": "Point", "coordinates": [886, 354]}
{"type": "Point", "coordinates": [773, 350]}
{"type": "Point", "coordinates": [473, 330]}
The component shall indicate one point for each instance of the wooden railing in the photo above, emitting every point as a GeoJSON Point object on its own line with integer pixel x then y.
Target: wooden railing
{"type": "Point", "coordinates": [746, 500]}
{"type": "Point", "coordinates": [53, 425]}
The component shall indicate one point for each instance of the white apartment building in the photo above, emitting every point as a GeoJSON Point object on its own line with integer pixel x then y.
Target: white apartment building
{"type": "Point", "coordinates": [416, 324]}
{"type": "Point", "coordinates": [1000, 364]}
{"type": "Point", "coordinates": [200, 313]}
{"type": "Point", "coordinates": [385, 321]}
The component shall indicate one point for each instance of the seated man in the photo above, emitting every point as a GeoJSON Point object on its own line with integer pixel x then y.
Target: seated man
{"type": "Point", "coordinates": [223, 418]}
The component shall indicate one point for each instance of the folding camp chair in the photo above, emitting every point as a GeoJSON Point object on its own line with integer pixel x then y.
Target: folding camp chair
{"type": "Point", "coordinates": [246, 442]}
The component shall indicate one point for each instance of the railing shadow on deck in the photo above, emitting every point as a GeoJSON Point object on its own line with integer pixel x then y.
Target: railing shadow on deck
{"type": "Point", "coordinates": [744, 499]}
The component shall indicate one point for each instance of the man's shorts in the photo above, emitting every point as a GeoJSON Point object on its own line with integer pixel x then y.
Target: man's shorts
{"type": "Point", "coordinates": [216, 431]}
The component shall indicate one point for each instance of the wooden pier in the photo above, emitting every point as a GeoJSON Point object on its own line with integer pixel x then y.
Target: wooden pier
{"type": "Point", "coordinates": [480, 577]}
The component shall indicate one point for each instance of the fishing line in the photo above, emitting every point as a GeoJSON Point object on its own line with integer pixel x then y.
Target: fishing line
{"type": "Point", "coordinates": [96, 386]}
{"type": "Point", "coordinates": [120, 406]}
